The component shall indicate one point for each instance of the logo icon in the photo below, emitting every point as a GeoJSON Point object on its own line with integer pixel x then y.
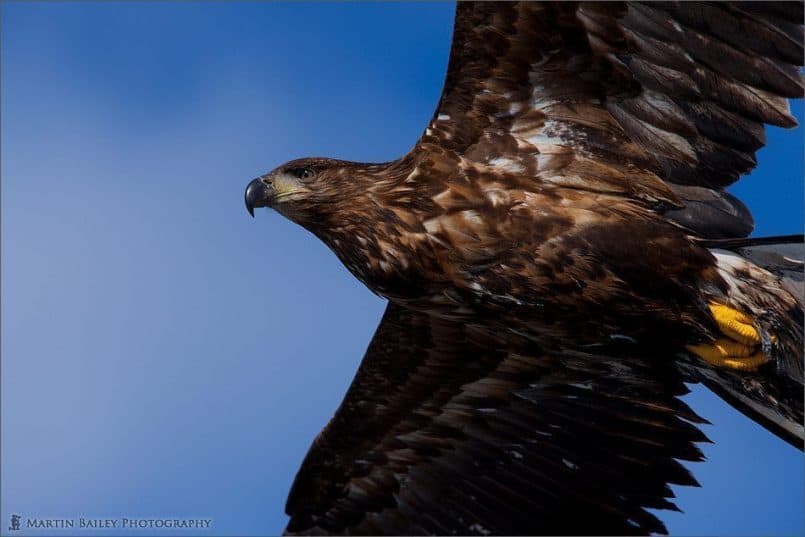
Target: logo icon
{"type": "Point", "coordinates": [15, 523]}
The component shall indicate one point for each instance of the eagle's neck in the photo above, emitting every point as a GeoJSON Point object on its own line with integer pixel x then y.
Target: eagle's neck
{"type": "Point", "coordinates": [374, 226]}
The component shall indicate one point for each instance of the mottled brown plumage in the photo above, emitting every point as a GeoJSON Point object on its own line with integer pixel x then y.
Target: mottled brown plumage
{"type": "Point", "coordinates": [548, 248]}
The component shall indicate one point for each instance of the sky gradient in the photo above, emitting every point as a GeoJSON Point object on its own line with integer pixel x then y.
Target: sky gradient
{"type": "Point", "coordinates": [165, 355]}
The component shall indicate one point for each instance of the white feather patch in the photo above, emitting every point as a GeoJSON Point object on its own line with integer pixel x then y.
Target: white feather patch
{"type": "Point", "coordinates": [507, 164]}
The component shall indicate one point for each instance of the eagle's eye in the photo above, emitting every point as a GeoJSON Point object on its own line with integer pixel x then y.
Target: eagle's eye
{"type": "Point", "coordinates": [302, 173]}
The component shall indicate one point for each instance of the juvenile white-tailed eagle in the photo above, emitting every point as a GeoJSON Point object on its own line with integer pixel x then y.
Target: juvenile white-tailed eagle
{"type": "Point", "coordinates": [559, 256]}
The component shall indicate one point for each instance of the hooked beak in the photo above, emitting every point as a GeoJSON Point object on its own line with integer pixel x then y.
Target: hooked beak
{"type": "Point", "coordinates": [258, 194]}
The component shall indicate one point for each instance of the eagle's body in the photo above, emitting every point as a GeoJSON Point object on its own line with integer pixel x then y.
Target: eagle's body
{"type": "Point", "coordinates": [550, 248]}
{"type": "Point", "coordinates": [478, 241]}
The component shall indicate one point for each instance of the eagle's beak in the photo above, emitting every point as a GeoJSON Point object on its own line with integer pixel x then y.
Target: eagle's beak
{"type": "Point", "coordinates": [258, 194]}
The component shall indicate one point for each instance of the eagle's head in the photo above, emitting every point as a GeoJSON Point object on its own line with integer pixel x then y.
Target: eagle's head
{"type": "Point", "coordinates": [364, 212]}
{"type": "Point", "coordinates": [301, 189]}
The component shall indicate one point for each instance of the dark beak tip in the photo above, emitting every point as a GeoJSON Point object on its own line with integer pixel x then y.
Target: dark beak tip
{"type": "Point", "coordinates": [256, 195]}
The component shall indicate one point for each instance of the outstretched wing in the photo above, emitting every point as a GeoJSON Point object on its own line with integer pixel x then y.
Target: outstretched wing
{"type": "Point", "coordinates": [664, 102]}
{"type": "Point", "coordinates": [448, 430]}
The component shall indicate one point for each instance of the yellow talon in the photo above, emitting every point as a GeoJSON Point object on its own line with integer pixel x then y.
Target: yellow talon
{"type": "Point", "coordinates": [721, 350]}
{"type": "Point", "coordinates": [735, 324]}
{"type": "Point", "coordinates": [747, 364]}
{"type": "Point", "coordinates": [739, 350]}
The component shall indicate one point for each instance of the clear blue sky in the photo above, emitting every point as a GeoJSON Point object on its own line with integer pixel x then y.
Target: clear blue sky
{"type": "Point", "coordinates": [163, 354]}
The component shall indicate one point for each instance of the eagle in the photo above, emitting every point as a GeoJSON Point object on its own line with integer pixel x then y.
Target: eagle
{"type": "Point", "coordinates": [560, 257]}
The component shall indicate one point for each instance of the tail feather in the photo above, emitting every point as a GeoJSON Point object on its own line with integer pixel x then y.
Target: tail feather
{"type": "Point", "coordinates": [772, 401]}
{"type": "Point", "coordinates": [765, 278]}
{"type": "Point", "coordinates": [784, 260]}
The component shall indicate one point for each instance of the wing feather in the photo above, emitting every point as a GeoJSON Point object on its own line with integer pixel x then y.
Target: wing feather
{"type": "Point", "coordinates": [656, 93]}
{"type": "Point", "coordinates": [450, 430]}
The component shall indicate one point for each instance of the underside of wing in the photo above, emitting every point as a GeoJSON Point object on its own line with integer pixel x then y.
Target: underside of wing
{"type": "Point", "coordinates": [663, 102]}
{"type": "Point", "coordinates": [449, 430]}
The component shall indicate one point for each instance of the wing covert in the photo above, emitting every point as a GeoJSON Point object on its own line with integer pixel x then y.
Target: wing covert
{"type": "Point", "coordinates": [664, 102]}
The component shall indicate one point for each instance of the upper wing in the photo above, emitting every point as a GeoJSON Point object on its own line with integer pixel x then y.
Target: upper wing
{"type": "Point", "coordinates": [446, 430]}
{"type": "Point", "coordinates": [662, 101]}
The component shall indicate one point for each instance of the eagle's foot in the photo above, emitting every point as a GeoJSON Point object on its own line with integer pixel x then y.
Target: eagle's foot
{"type": "Point", "coordinates": [740, 349]}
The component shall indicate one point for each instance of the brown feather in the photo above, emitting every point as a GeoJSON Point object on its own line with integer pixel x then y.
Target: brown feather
{"type": "Point", "coordinates": [549, 248]}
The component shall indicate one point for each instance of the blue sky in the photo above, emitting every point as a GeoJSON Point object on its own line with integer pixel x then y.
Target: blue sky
{"type": "Point", "coordinates": [163, 354]}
